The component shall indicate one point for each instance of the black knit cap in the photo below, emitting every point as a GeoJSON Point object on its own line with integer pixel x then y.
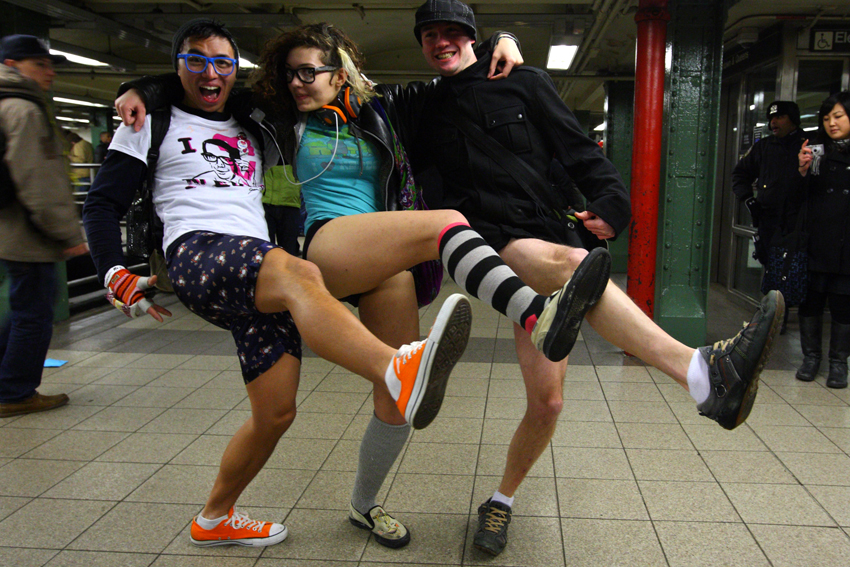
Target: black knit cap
{"type": "Point", "coordinates": [204, 28]}
{"type": "Point", "coordinates": [453, 11]}
{"type": "Point", "coordinates": [784, 108]}
{"type": "Point", "coordinates": [17, 47]}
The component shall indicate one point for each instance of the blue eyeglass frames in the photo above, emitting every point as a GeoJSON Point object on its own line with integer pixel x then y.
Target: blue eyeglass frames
{"type": "Point", "coordinates": [198, 63]}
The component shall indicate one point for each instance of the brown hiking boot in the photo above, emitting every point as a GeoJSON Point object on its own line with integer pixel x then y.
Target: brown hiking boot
{"type": "Point", "coordinates": [34, 404]}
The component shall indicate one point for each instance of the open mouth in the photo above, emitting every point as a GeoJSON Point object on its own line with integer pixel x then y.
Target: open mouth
{"type": "Point", "coordinates": [210, 94]}
{"type": "Point", "coordinates": [445, 56]}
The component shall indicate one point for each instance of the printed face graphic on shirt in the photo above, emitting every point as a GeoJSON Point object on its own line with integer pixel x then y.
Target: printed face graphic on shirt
{"type": "Point", "coordinates": [228, 159]}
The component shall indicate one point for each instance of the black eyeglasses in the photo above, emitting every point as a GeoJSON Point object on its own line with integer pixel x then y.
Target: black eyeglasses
{"type": "Point", "coordinates": [198, 63]}
{"type": "Point", "coordinates": [307, 74]}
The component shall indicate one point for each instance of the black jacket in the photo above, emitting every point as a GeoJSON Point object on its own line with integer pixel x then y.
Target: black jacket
{"type": "Point", "coordinates": [526, 115]}
{"type": "Point", "coordinates": [773, 161]}
{"type": "Point", "coordinates": [828, 215]}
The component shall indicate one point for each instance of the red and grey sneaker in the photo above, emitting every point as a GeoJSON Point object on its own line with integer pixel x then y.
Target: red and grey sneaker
{"type": "Point", "coordinates": [238, 529]}
{"type": "Point", "coordinates": [734, 365]}
{"type": "Point", "coordinates": [557, 328]}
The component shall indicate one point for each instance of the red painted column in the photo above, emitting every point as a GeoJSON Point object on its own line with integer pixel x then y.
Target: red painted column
{"type": "Point", "coordinates": [651, 18]}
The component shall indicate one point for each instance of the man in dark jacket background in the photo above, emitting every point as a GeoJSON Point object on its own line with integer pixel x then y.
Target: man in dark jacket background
{"type": "Point", "coordinates": [771, 164]}
{"type": "Point", "coordinates": [38, 228]}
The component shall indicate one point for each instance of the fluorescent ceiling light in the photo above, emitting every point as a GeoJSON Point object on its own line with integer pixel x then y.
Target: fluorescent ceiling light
{"type": "Point", "coordinates": [600, 128]}
{"type": "Point", "coordinates": [79, 59]}
{"type": "Point", "coordinates": [80, 102]}
{"type": "Point", "coordinates": [813, 128]}
{"type": "Point", "coordinates": [66, 119]}
{"type": "Point", "coordinates": [561, 56]}
{"type": "Point", "coordinates": [245, 64]}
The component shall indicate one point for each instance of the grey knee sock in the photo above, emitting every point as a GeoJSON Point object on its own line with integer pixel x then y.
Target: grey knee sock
{"type": "Point", "coordinates": [381, 445]}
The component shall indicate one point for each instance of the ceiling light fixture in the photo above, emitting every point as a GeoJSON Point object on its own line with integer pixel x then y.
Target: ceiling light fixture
{"type": "Point", "coordinates": [80, 102]}
{"type": "Point", "coordinates": [79, 59]}
{"type": "Point", "coordinates": [562, 51]}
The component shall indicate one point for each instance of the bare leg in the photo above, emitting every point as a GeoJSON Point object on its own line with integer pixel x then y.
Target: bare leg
{"type": "Point", "coordinates": [544, 266]}
{"type": "Point", "coordinates": [272, 397]}
{"type": "Point", "coordinates": [286, 283]}
{"type": "Point", "coordinates": [544, 401]}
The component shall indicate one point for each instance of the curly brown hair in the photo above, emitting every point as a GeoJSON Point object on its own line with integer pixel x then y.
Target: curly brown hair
{"type": "Point", "coordinates": [337, 49]}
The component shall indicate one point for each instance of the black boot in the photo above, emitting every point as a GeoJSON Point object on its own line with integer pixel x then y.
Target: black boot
{"type": "Point", "coordinates": [810, 341]}
{"type": "Point", "coordinates": [839, 350]}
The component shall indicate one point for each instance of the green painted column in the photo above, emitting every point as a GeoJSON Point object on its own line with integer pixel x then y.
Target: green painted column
{"type": "Point", "coordinates": [695, 38]}
{"type": "Point", "coordinates": [619, 128]}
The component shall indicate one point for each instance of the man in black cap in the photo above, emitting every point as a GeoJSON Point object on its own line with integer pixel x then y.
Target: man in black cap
{"type": "Point", "coordinates": [524, 114]}
{"type": "Point", "coordinates": [39, 225]}
{"type": "Point", "coordinates": [770, 166]}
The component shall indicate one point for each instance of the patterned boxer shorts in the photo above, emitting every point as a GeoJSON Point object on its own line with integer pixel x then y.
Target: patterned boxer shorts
{"type": "Point", "coordinates": [215, 275]}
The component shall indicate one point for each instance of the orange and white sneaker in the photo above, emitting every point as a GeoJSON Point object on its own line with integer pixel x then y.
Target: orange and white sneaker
{"type": "Point", "coordinates": [238, 529]}
{"type": "Point", "coordinates": [423, 367]}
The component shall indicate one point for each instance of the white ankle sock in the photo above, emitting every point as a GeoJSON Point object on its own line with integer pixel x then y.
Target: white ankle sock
{"type": "Point", "coordinates": [392, 381]}
{"type": "Point", "coordinates": [698, 383]}
{"type": "Point", "coordinates": [209, 524]}
{"type": "Point", "coordinates": [506, 500]}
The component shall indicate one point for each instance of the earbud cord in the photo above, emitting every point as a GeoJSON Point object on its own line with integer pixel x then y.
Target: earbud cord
{"type": "Point", "coordinates": [336, 143]}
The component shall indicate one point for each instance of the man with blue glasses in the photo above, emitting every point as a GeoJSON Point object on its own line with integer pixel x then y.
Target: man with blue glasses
{"type": "Point", "coordinates": [224, 269]}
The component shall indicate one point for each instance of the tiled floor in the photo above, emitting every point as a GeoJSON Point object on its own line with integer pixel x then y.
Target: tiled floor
{"type": "Point", "coordinates": [633, 476]}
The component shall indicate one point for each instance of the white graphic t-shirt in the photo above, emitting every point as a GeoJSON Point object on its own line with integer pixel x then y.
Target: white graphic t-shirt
{"type": "Point", "coordinates": [208, 177]}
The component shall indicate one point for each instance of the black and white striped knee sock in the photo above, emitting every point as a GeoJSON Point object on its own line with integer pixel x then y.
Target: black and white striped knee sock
{"type": "Point", "coordinates": [482, 273]}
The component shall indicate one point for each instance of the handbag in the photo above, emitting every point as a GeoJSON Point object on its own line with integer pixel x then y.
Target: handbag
{"type": "Point", "coordinates": [570, 230]}
{"type": "Point", "coordinates": [786, 267]}
{"type": "Point", "coordinates": [427, 276]}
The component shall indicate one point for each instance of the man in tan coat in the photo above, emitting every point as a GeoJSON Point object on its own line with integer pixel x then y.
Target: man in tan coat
{"type": "Point", "coordinates": [38, 227]}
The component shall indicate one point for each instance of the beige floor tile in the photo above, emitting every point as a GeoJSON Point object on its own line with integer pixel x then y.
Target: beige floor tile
{"type": "Point", "coordinates": [25, 557]}
{"type": "Point", "coordinates": [613, 543]}
{"type": "Point", "coordinates": [583, 391]}
{"type": "Point", "coordinates": [501, 431]}
{"type": "Point", "coordinates": [77, 445]}
{"type": "Point", "coordinates": [836, 501]}
{"type": "Point", "coordinates": [581, 462]}
{"type": "Point", "coordinates": [76, 375]}
{"type": "Point", "coordinates": [711, 437]}
{"type": "Point", "coordinates": [505, 408]}
{"type": "Point", "coordinates": [463, 406]}
{"type": "Point", "coordinates": [512, 388]}
{"type": "Point", "coordinates": [302, 543]}
{"type": "Point", "coordinates": [229, 423]}
{"type": "Point", "coordinates": [320, 426]}
{"type": "Point", "coordinates": [161, 360]}
{"type": "Point", "coordinates": [283, 562]}
{"type": "Point", "coordinates": [450, 430]}
{"type": "Point", "coordinates": [795, 439]}
{"type": "Point", "coordinates": [623, 374]}
{"type": "Point", "coordinates": [210, 362]}
{"type": "Point", "coordinates": [15, 442]}
{"type": "Point", "coordinates": [655, 464]}
{"type": "Point", "coordinates": [131, 376]}
{"type": "Point", "coordinates": [825, 416]}
{"type": "Point", "coordinates": [439, 458]}
{"type": "Point", "coordinates": [148, 448]}
{"type": "Point", "coordinates": [577, 373]}
{"type": "Point", "coordinates": [333, 402]}
{"type": "Point", "coordinates": [229, 379]}
{"type": "Point", "coordinates": [305, 454]}
{"type": "Point", "coordinates": [600, 499]}
{"type": "Point", "coordinates": [101, 394]}
{"type": "Point", "coordinates": [491, 461]}
{"type": "Point", "coordinates": [213, 398]}
{"type": "Point", "coordinates": [154, 397]}
{"type": "Point", "coordinates": [675, 501]}
{"type": "Point", "coordinates": [818, 468]}
{"type": "Point", "coordinates": [344, 456]}
{"type": "Point", "coordinates": [68, 519]}
{"type": "Point", "coordinates": [653, 436]}
{"type": "Point", "coordinates": [72, 356]}
{"type": "Point", "coordinates": [428, 493]}
{"type": "Point", "coordinates": [672, 391]}
{"type": "Point", "coordinates": [331, 490]}
{"type": "Point", "coordinates": [273, 487]}
{"type": "Point", "coordinates": [9, 504]}
{"type": "Point", "coordinates": [795, 395]}
{"type": "Point", "coordinates": [184, 378]}
{"type": "Point", "coordinates": [531, 541]}
{"type": "Point", "coordinates": [586, 434]}
{"type": "Point", "coordinates": [747, 466]}
{"type": "Point", "coordinates": [356, 427]}
{"type": "Point", "coordinates": [31, 477]}
{"type": "Point", "coordinates": [687, 544]}
{"type": "Point", "coordinates": [177, 484]}
{"type": "Point", "coordinates": [686, 413]}
{"type": "Point", "coordinates": [100, 559]}
{"type": "Point", "coordinates": [183, 421]}
{"type": "Point", "coordinates": [631, 391]}
{"type": "Point", "coordinates": [203, 450]}
{"type": "Point", "coordinates": [585, 410]}
{"type": "Point", "coordinates": [118, 418]}
{"type": "Point", "coordinates": [839, 436]}
{"type": "Point", "coordinates": [103, 481]}
{"type": "Point", "coordinates": [776, 414]}
{"type": "Point", "coordinates": [467, 387]}
{"type": "Point", "coordinates": [782, 504]}
{"type": "Point", "coordinates": [64, 417]}
{"type": "Point", "coordinates": [202, 561]}
{"type": "Point", "coordinates": [789, 546]}
{"type": "Point", "coordinates": [111, 360]}
{"type": "Point", "coordinates": [118, 529]}
{"type": "Point", "coordinates": [641, 412]}
{"type": "Point", "coordinates": [479, 370]}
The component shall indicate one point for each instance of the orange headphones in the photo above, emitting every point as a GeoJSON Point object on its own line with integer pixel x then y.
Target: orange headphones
{"type": "Point", "coordinates": [346, 107]}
